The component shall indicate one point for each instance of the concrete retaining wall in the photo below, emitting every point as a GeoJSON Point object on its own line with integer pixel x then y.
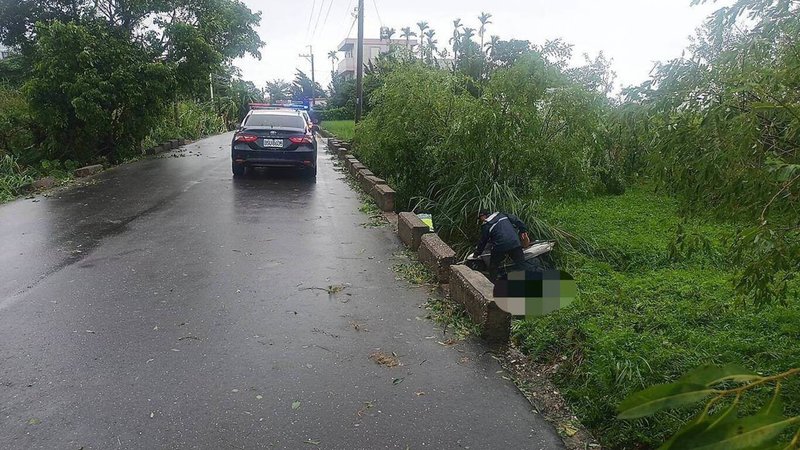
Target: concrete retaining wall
{"type": "Point", "coordinates": [466, 286]}
{"type": "Point", "coordinates": [474, 291]}
{"type": "Point", "coordinates": [361, 174]}
{"type": "Point", "coordinates": [384, 197]}
{"type": "Point", "coordinates": [88, 170]}
{"type": "Point", "coordinates": [436, 255]}
{"type": "Point", "coordinates": [370, 181]}
{"type": "Point", "coordinates": [411, 228]}
{"type": "Point", "coordinates": [355, 167]}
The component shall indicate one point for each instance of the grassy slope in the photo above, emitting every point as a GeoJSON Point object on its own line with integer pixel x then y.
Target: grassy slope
{"type": "Point", "coordinates": [642, 318]}
{"type": "Point", "coordinates": [343, 129]}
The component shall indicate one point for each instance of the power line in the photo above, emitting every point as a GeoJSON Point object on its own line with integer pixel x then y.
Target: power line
{"type": "Point", "coordinates": [349, 10]}
{"type": "Point", "coordinates": [310, 17]}
{"type": "Point", "coordinates": [377, 13]}
{"type": "Point", "coordinates": [319, 15]}
{"type": "Point", "coordinates": [326, 15]}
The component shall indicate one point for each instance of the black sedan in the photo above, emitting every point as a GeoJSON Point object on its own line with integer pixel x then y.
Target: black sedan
{"type": "Point", "coordinates": [274, 138]}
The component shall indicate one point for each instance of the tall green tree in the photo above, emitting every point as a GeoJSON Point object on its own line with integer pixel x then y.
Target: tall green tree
{"type": "Point", "coordinates": [455, 40]}
{"type": "Point", "coordinates": [422, 25]}
{"type": "Point", "coordinates": [301, 88]}
{"type": "Point", "coordinates": [407, 34]}
{"type": "Point", "coordinates": [726, 136]}
{"type": "Point", "coordinates": [278, 90]}
{"type": "Point", "coordinates": [484, 19]}
{"type": "Point", "coordinates": [94, 92]}
{"type": "Point", "coordinates": [333, 55]}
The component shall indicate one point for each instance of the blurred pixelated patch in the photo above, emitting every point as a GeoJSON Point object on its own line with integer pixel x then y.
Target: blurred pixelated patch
{"type": "Point", "coordinates": [535, 293]}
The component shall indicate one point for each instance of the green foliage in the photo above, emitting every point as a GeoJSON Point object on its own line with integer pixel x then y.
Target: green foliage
{"type": "Point", "coordinates": [643, 318]}
{"type": "Point", "coordinates": [722, 125]}
{"type": "Point", "coordinates": [100, 75]}
{"type": "Point", "coordinates": [450, 152]}
{"type": "Point", "coordinates": [278, 90]}
{"type": "Point", "coordinates": [336, 114]}
{"type": "Point", "coordinates": [343, 129]}
{"type": "Point", "coordinates": [725, 429]}
{"type": "Point", "coordinates": [194, 121]}
{"type": "Point", "coordinates": [16, 137]}
{"type": "Point", "coordinates": [302, 88]}
{"type": "Point", "coordinates": [93, 93]}
{"type": "Point", "coordinates": [342, 93]}
{"type": "Point", "coordinates": [233, 100]}
{"type": "Point", "coordinates": [12, 178]}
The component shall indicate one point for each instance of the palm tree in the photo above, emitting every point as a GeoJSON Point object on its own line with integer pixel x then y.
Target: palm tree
{"type": "Point", "coordinates": [430, 33]}
{"type": "Point", "coordinates": [484, 20]}
{"type": "Point", "coordinates": [407, 33]}
{"type": "Point", "coordinates": [467, 34]}
{"type": "Point", "coordinates": [333, 56]}
{"type": "Point", "coordinates": [422, 27]}
{"type": "Point", "coordinates": [492, 44]}
{"type": "Point", "coordinates": [390, 32]}
{"type": "Point", "coordinates": [456, 37]}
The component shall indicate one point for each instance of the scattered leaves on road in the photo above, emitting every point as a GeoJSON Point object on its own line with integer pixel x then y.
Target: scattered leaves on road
{"type": "Point", "coordinates": [332, 289]}
{"type": "Point", "coordinates": [295, 404]}
{"type": "Point", "coordinates": [396, 381]}
{"type": "Point", "coordinates": [357, 326]}
{"type": "Point", "coordinates": [34, 421]}
{"type": "Point", "coordinates": [367, 406]}
{"type": "Point", "coordinates": [312, 442]}
{"type": "Point", "coordinates": [384, 359]}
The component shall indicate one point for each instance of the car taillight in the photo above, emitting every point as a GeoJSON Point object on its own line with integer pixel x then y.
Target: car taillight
{"type": "Point", "coordinates": [300, 140]}
{"type": "Point", "coordinates": [246, 138]}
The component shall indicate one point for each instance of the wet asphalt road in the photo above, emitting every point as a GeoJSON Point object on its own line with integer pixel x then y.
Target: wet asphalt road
{"type": "Point", "coordinates": [166, 305]}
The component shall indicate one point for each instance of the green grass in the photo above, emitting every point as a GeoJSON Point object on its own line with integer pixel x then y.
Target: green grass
{"type": "Point", "coordinates": [12, 178]}
{"type": "Point", "coordinates": [343, 129]}
{"type": "Point", "coordinates": [643, 317]}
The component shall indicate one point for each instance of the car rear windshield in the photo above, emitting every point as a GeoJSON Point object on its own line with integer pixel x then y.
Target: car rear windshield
{"type": "Point", "coordinates": [276, 120]}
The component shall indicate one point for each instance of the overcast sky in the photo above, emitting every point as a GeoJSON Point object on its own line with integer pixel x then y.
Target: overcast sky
{"type": "Point", "coordinates": [634, 33]}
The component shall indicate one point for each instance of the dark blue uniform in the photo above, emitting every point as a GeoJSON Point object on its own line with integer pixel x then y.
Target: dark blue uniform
{"type": "Point", "coordinates": [502, 230]}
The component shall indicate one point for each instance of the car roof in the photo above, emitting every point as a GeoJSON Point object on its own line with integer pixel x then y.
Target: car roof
{"type": "Point", "coordinates": [278, 112]}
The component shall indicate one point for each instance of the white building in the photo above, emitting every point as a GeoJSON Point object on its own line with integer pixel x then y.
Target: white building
{"type": "Point", "coordinates": [372, 48]}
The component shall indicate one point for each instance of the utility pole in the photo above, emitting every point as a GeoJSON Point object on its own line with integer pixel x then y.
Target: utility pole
{"type": "Point", "coordinates": [360, 62]}
{"type": "Point", "coordinates": [310, 57]}
{"type": "Point", "coordinates": [211, 86]}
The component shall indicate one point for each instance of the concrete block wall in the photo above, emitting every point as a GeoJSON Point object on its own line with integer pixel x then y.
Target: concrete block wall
{"type": "Point", "coordinates": [474, 291]}
{"type": "Point", "coordinates": [436, 255]}
{"type": "Point", "coordinates": [466, 286]}
{"type": "Point", "coordinates": [411, 229]}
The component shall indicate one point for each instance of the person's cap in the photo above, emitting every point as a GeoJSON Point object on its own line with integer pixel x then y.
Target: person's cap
{"type": "Point", "coordinates": [484, 212]}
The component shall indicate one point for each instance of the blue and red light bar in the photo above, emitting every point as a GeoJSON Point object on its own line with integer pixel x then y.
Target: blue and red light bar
{"type": "Point", "coordinates": [299, 107]}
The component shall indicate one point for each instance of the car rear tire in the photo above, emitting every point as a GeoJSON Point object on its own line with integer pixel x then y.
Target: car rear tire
{"type": "Point", "coordinates": [312, 172]}
{"type": "Point", "coordinates": [238, 170]}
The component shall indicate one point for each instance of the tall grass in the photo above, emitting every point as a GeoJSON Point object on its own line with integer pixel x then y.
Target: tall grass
{"type": "Point", "coordinates": [343, 129]}
{"type": "Point", "coordinates": [531, 135]}
{"type": "Point", "coordinates": [12, 178]}
{"type": "Point", "coordinates": [194, 120]}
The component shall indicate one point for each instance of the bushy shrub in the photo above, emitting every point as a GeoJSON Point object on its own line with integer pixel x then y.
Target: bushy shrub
{"type": "Point", "coordinates": [94, 93]}
{"type": "Point", "coordinates": [16, 137]}
{"type": "Point", "coordinates": [342, 113]}
{"type": "Point", "coordinates": [532, 134]}
{"type": "Point", "coordinates": [12, 177]}
{"type": "Point", "coordinates": [194, 120]}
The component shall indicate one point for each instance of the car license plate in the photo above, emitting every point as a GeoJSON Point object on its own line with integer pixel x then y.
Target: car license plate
{"type": "Point", "coordinates": [273, 143]}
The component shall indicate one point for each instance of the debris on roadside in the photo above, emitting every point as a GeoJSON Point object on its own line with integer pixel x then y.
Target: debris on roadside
{"type": "Point", "coordinates": [385, 360]}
